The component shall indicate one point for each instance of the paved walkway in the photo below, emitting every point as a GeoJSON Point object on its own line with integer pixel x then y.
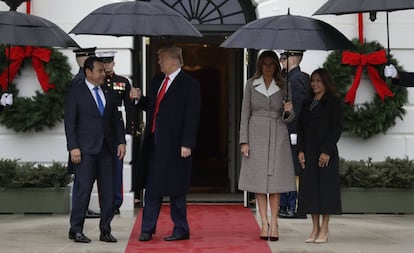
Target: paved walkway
{"type": "Point", "coordinates": [349, 233]}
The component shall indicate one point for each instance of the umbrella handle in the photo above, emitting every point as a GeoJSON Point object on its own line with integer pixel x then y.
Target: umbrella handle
{"type": "Point", "coordinates": [388, 41]}
{"type": "Point", "coordinates": [286, 114]}
{"type": "Point", "coordinates": [388, 80]}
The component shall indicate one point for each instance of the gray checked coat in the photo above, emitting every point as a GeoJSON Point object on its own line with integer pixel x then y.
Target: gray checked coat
{"type": "Point", "coordinates": [269, 166]}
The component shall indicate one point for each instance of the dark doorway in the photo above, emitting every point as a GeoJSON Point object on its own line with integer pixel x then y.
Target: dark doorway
{"type": "Point", "coordinates": [209, 64]}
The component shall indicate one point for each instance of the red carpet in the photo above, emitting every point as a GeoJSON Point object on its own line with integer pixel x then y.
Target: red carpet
{"type": "Point", "coordinates": [213, 229]}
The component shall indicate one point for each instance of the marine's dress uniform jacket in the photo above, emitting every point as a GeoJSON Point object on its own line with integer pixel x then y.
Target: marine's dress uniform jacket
{"type": "Point", "coordinates": [299, 87]}
{"type": "Point", "coordinates": [121, 88]}
{"type": "Point", "coordinates": [269, 166]}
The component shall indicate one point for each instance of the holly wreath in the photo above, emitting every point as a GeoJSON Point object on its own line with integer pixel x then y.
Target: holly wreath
{"type": "Point", "coordinates": [373, 117]}
{"type": "Point", "coordinates": [45, 108]}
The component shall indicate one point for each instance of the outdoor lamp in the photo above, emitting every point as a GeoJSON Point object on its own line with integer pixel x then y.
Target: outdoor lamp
{"type": "Point", "coordinates": [372, 15]}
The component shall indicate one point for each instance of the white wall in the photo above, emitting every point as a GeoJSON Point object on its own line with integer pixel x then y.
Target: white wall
{"type": "Point", "coordinates": [51, 145]}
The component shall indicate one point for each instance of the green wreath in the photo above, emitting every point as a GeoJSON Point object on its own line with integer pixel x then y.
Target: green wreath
{"type": "Point", "coordinates": [370, 118]}
{"type": "Point", "coordinates": [28, 114]}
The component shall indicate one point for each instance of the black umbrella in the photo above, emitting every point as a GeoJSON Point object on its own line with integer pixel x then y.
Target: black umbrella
{"type": "Point", "coordinates": [20, 29]}
{"type": "Point", "coordinates": [136, 18]}
{"type": "Point", "coordinates": [339, 7]}
{"type": "Point", "coordinates": [288, 32]}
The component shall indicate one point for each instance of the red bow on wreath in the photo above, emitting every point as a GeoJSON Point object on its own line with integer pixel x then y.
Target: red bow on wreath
{"type": "Point", "coordinates": [17, 55]}
{"type": "Point", "coordinates": [368, 60]}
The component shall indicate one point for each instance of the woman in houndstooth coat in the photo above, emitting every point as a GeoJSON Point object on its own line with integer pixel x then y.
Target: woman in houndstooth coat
{"type": "Point", "coordinates": [267, 166]}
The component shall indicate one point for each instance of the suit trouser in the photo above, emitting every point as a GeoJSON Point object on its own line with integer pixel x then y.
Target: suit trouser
{"type": "Point", "coordinates": [178, 212]}
{"type": "Point", "coordinates": [118, 186]}
{"type": "Point", "coordinates": [288, 199]}
{"type": "Point", "coordinates": [93, 167]}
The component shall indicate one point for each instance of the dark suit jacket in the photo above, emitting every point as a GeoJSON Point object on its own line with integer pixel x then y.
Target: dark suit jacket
{"type": "Point", "coordinates": [79, 78]}
{"type": "Point", "coordinates": [405, 79]}
{"type": "Point", "coordinates": [177, 125]}
{"type": "Point", "coordinates": [84, 126]}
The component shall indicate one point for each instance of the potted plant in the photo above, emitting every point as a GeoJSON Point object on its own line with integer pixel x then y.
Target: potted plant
{"type": "Point", "coordinates": [377, 187]}
{"type": "Point", "coordinates": [33, 188]}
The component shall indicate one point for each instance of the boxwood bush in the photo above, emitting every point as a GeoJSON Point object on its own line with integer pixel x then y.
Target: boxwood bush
{"type": "Point", "coordinates": [16, 175]}
{"type": "Point", "coordinates": [391, 173]}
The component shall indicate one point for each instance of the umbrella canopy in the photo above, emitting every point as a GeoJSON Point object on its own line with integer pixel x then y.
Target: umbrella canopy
{"type": "Point", "coordinates": [22, 29]}
{"type": "Point", "coordinates": [288, 32]}
{"type": "Point", "coordinates": [339, 7]}
{"type": "Point", "coordinates": [136, 18]}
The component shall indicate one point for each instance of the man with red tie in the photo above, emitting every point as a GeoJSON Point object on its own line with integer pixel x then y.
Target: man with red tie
{"type": "Point", "coordinates": [173, 112]}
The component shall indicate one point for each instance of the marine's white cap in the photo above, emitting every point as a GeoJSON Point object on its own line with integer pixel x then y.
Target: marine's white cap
{"type": "Point", "coordinates": [106, 56]}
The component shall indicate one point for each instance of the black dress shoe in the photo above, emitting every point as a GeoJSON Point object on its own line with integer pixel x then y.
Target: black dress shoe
{"type": "Point", "coordinates": [91, 214]}
{"type": "Point", "coordinates": [282, 213]}
{"type": "Point", "coordinates": [145, 237]}
{"type": "Point", "coordinates": [177, 237]}
{"type": "Point", "coordinates": [107, 237]}
{"type": "Point", "coordinates": [289, 214]}
{"type": "Point", "coordinates": [79, 237]}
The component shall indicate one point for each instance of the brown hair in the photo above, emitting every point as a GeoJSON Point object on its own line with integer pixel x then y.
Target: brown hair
{"type": "Point", "coordinates": [280, 81]}
{"type": "Point", "coordinates": [326, 80]}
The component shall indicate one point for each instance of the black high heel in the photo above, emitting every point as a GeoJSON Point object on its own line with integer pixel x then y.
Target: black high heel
{"type": "Point", "coordinates": [273, 238]}
{"type": "Point", "coordinates": [266, 237]}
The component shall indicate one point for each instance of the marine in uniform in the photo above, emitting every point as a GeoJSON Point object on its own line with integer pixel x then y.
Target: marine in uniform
{"type": "Point", "coordinates": [299, 86]}
{"type": "Point", "coordinates": [121, 87]}
{"type": "Point", "coordinates": [402, 78]}
{"type": "Point", "coordinates": [81, 55]}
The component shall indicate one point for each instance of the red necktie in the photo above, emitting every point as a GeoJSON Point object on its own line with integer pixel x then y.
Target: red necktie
{"type": "Point", "coordinates": [158, 101]}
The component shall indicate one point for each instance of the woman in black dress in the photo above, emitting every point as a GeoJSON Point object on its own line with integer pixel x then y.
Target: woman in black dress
{"type": "Point", "coordinates": [319, 129]}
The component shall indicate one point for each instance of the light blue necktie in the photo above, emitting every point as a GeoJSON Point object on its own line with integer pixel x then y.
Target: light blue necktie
{"type": "Point", "coordinates": [101, 106]}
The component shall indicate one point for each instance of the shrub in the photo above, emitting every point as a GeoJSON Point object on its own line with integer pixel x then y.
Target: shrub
{"type": "Point", "coordinates": [17, 175]}
{"type": "Point", "coordinates": [7, 170]}
{"type": "Point", "coordinates": [391, 173]}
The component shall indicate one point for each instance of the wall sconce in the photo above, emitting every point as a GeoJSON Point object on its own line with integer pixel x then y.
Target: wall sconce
{"type": "Point", "coordinates": [372, 16]}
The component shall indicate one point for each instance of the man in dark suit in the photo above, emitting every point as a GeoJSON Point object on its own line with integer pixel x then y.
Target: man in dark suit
{"type": "Point", "coordinates": [92, 125]}
{"type": "Point", "coordinates": [173, 111]}
{"type": "Point", "coordinates": [81, 55]}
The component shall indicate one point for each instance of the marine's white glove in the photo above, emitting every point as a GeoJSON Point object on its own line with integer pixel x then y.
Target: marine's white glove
{"type": "Point", "coordinates": [6, 99]}
{"type": "Point", "coordinates": [3, 99]}
{"type": "Point", "coordinates": [128, 138]}
{"type": "Point", "coordinates": [390, 71]}
{"type": "Point", "coordinates": [9, 99]}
